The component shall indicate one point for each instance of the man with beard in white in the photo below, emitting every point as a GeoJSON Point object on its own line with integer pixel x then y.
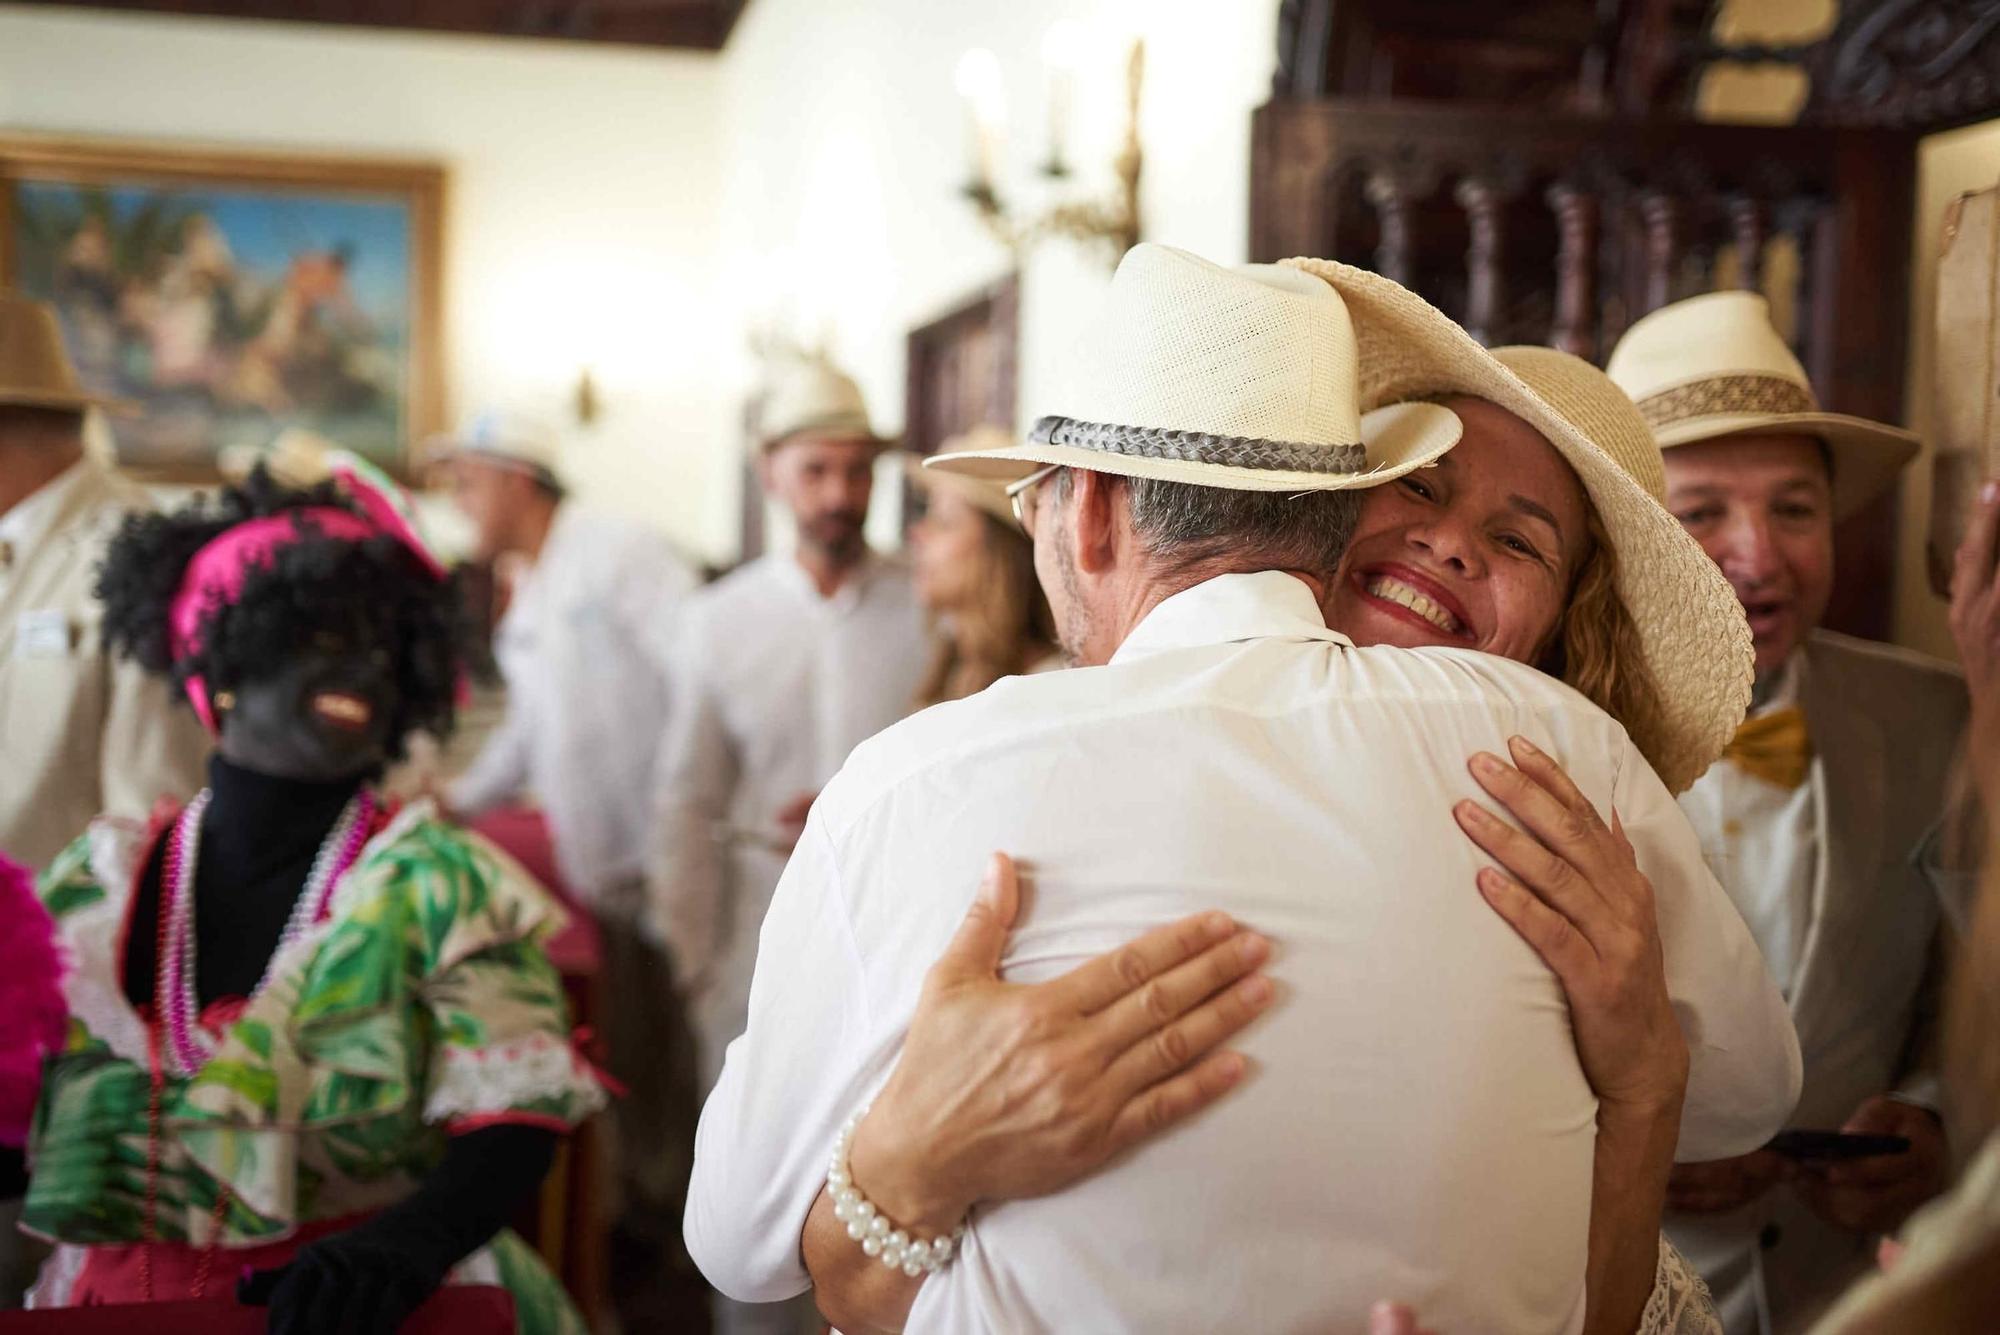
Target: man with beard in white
{"type": "Point", "coordinates": [1417, 1125]}
{"type": "Point", "coordinates": [782, 668]}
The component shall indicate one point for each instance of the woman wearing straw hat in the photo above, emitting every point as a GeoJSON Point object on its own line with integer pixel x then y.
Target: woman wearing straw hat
{"type": "Point", "coordinates": [975, 574]}
{"type": "Point", "coordinates": [1505, 546]}
{"type": "Point", "coordinates": [1826, 789]}
{"type": "Point", "coordinates": [1739, 1097]}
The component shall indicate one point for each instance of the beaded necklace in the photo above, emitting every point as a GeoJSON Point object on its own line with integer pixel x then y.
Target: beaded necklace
{"type": "Point", "coordinates": [185, 1047]}
{"type": "Point", "coordinates": [188, 1046]}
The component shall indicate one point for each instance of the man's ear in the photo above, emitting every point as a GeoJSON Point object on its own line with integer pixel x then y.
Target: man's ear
{"type": "Point", "coordinates": [1099, 502]}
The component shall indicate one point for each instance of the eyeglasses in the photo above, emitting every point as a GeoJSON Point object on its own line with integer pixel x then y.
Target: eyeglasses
{"type": "Point", "coordinates": [1017, 496]}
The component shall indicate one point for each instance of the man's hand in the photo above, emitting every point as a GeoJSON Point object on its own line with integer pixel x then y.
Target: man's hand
{"type": "Point", "coordinates": [1875, 1195]}
{"type": "Point", "coordinates": [1724, 1184]}
{"type": "Point", "coordinates": [1387, 1318]}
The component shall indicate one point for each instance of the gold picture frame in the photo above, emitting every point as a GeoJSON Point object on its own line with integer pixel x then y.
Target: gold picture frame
{"type": "Point", "coordinates": [235, 295]}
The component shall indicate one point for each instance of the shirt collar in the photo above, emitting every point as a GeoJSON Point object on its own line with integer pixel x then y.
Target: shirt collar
{"type": "Point", "coordinates": [1228, 609]}
{"type": "Point", "coordinates": [1788, 691]}
{"type": "Point", "coordinates": [23, 527]}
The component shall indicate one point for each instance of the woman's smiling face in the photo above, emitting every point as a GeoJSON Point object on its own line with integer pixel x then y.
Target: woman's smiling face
{"type": "Point", "coordinates": [1478, 552]}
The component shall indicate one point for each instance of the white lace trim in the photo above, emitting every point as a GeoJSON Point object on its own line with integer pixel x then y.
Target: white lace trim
{"type": "Point", "coordinates": [469, 1081]}
{"type": "Point", "coordinates": [55, 1286]}
{"type": "Point", "coordinates": [1680, 1303]}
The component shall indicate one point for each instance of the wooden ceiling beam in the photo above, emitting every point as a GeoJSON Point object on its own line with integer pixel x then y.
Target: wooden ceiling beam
{"type": "Point", "coordinates": [702, 25]}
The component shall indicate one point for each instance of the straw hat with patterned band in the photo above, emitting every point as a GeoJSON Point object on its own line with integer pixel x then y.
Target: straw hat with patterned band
{"type": "Point", "coordinates": [1693, 638]}
{"type": "Point", "coordinates": [988, 496]}
{"type": "Point", "coordinates": [1713, 367]}
{"type": "Point", "coordinates": [35, 371]}
{"type": "Point", "coordinates": [810, 396]}
{"type": "Point", "coordinates": [1234, 378]}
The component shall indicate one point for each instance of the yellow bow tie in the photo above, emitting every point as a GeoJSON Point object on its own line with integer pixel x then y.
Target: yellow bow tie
{"type": "Point", "coordinates": [1774, 747]}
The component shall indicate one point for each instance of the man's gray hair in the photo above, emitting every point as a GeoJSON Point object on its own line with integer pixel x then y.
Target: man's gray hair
{"type": "Point", "coordinates": [1187, 526]}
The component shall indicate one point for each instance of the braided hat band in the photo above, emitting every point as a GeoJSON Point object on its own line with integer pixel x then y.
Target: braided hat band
{"type": "Point", "coordinates": [1199, 447]}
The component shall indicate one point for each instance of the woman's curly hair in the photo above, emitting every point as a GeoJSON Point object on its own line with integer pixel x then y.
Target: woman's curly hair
{"type": "Point", "coordinates": [370, 596]}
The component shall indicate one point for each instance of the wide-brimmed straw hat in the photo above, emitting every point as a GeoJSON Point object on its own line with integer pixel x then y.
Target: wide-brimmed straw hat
{"type": "Point", "coordinates": [1713, 367]}
{"type": "Point", "coordinates": [1239, 378]}
{"type": "Point", "coordinates": [35, 371]}
{"type": "Point", "coordinates": [810, 396]}
{"type": "Point", "coordinates": [990, 496]}
{"type": "Point", "coordinates": [1692, 633]}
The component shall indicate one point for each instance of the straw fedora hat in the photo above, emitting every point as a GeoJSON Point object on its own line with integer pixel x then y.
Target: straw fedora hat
{"type": "Point", "coordinates": [1695, 642]}
{"type": "Point", "coordinates": [1714, 367]}
{"type": "Point", "coordinates": [1234, 378]}
{"type": "Point", "coordinates": [296, 458]}
{"type": "Point", "coordinates": [35, 371]}
{"type": "Point", "coordinates": [987, 495]}
{"type": "Point", "coordinates": [507, 439]}
{"type": "Point", "coordinates": [810, 395]}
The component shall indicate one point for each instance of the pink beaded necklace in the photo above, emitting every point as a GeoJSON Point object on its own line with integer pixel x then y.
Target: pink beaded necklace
{"type": "Point", "coordinates": [188, 1046]}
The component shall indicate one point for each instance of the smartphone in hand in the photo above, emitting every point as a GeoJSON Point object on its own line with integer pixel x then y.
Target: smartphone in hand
{"type": "Point", "coordinates": [1827, 1146]}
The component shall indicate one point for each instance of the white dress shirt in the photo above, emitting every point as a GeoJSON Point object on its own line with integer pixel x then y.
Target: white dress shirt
{"type": "Point", "coordinates": [775, 684]}
{"type": "Point", "coordinates": [1416, 1126]}
{"type": "Point", "coordinates": [585, 648]}
{"type": "Point", "coordinates": [1762, 842]}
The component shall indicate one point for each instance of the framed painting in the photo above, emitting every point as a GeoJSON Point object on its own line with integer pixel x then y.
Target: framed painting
{"type": "Point", "coordinates": [234, 296]}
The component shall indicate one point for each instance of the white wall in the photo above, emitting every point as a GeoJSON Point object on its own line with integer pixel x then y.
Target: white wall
{"type": "Point", "coordinates": [641, 211]}
{"type": "Point", "coordinates": [581, 221]}
{"type": "Point", "coordinates": [847, 147]}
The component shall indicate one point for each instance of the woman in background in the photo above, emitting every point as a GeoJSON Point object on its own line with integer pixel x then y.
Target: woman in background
{"type": "Point", "coordinates": [975, 572]}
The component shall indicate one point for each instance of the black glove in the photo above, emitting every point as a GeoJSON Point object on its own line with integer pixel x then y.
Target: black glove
{"type": "Point", "coordinates": [348, 1284]}
{"type": "Point", "coordinates": [367, 1280]}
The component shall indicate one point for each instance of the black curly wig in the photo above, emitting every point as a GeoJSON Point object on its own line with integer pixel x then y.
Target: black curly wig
{"type": "Point", "coordinates": [368, 595]}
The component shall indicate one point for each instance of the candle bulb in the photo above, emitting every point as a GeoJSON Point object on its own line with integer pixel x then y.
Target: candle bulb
{"type": "Point", "coordinates": [979, 84]}
{"type": "Point", "coordinates": [1060, 49]}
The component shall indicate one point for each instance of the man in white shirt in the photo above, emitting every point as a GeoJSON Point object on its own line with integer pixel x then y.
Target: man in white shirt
{"type": "Point", "coordinates": [82, 731]}
{"type": "Point", "coordinates": [784, 666]}
{"type": "Point", "coordinates": [584, 648]}
{"type": "Point", "coordinates": [1811, 820]}
{"type": "Point", "coordinates": [1418, 1125]}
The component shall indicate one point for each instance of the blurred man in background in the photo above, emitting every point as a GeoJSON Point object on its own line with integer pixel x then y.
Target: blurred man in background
{"type": "Point", "coordinates": [1811, 819]}
{"type": "Point", "coordinates": [584, 648]}
{"type": "Point", "coordinates": [783, 667]}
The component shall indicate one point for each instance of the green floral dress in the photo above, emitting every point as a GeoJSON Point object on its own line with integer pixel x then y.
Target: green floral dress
{"type": "Point", "coordinates": [423, 1005]}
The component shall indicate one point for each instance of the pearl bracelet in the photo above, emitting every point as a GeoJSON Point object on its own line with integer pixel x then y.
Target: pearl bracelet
{"type": "Point", "coordinates": [868, 1226]}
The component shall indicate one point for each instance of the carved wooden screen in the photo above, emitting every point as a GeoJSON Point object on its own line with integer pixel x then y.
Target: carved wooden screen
{"type": "Point", "coordinates": [961, 368]}
{"type": "Point", "coordinates": [1542, 227]}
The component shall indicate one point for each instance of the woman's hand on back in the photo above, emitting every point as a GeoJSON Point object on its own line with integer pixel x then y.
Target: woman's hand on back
{"type": "Point", "coordinates": [1006, 1090]}
{"type": "Point", "coordinates": [1577, 897]}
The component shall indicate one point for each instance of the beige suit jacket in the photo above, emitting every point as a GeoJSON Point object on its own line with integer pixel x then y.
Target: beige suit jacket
{"type": "Point", "coordinates": [1884, 724]}
{"type": "Point", "coordinates": [80, 733]}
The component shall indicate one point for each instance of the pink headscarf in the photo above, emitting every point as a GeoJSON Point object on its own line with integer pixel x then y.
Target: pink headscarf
{"type": "Point", "coordinates": [215, 575]}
